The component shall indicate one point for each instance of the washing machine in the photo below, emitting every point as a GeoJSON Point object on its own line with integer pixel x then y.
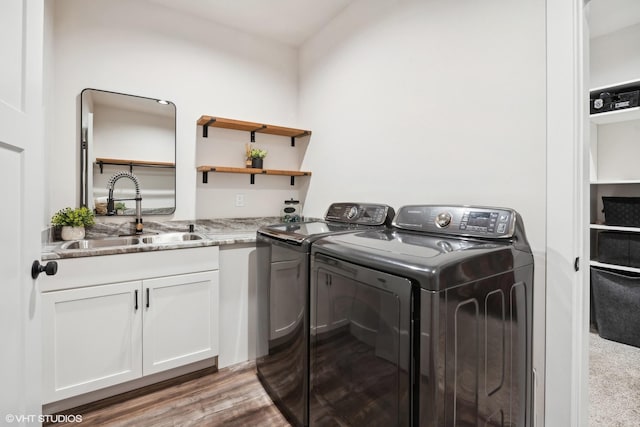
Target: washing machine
{"type": "Point", "coordinates": [282, 259]}
{"type": "Point", "coordinates": [425, 324]}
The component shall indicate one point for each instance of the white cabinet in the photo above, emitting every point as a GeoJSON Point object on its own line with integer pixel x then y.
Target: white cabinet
{"type": "Point", "coordinates": [238, 275]}
{"type": "Point", "coordinates": [100, 331]}
{"type": "Point", "coordinates": [180, 320]}
{"type": "Point", "coordinates": [92, 338]}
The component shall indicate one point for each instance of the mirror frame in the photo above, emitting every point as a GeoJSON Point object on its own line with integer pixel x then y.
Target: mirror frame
{"type": "Point", "coordinates": [85, 191]}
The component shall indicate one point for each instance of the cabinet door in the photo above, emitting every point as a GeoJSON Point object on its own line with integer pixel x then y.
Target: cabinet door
{"type": "Point", "coordinates": [91, 338]}
{"type": "Point", "coordinates": [287, 297]}
{"type": "Point", "coordinates": [180, 322]}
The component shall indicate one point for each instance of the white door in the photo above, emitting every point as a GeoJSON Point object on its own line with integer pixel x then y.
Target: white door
{"type": "Point", "coordinates": [92, 338]}
{"type": "Point", "coordinates": [21, 216]}
{"type": "Point", "coordinates": [180, 321]}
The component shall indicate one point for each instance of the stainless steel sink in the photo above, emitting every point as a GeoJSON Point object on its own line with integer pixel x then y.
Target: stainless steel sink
{"type": "Point", "coordinates": [107, 242]}
{"type": "Point", "coordinates": [172, 238]}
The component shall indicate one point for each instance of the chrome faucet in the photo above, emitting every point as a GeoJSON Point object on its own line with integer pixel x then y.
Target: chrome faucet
{"type": "Point", "coordinates": [110, 200]}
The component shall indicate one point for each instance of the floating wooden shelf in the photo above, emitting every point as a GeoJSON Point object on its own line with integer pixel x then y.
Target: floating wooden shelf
{"type": "Point", "coordinates": [249, 171]}
{"type": "Point", "coordinates": [219, 122]}
{"type": "Point", "coordinates": [101, 161]}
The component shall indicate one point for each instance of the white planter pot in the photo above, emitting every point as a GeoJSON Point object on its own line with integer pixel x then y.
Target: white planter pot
{"type": "Point", "coordinates": [72, 233]}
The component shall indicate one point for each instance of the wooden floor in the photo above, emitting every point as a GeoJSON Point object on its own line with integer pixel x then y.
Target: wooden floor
{"type": "Point", "coordinates": [231, 397]}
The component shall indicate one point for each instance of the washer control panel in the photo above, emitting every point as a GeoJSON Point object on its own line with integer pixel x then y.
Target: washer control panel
{"type": "Point", "coordinates": [360, 213]}
{"type": "Point", "coordinates": [471, 221]}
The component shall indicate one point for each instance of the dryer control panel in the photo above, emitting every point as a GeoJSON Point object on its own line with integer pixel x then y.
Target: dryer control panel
{"type": "Point", "coordinates": [485, 222]}
{"type": "Point", "coordinates": [360, 213]}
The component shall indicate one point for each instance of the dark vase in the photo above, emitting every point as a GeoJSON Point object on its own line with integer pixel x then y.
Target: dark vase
{"type": "Point", "coordinates": [256, 163]}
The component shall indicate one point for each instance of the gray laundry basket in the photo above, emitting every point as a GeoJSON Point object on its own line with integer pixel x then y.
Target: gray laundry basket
{"type": "Point", "coordinates": [616, 302]}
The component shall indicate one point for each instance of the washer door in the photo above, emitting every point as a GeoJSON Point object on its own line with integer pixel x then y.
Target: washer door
{"type": "Point", "coordinates": [360, 347]}
{"type": "Point", "coordinates": [282, 329]}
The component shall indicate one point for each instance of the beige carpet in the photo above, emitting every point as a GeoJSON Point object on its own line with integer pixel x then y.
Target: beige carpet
{"type": "Point", "coordinates": [614, 384]}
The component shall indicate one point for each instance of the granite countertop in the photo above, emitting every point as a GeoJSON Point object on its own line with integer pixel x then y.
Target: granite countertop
{"type": "Point", "coordinates": [224, 231]}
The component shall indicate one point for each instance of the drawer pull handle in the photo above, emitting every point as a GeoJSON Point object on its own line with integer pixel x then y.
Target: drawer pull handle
{"type": "Point", "coordinates": [136, 300]}
{"type": "Point", "coordinates": [147, 297]}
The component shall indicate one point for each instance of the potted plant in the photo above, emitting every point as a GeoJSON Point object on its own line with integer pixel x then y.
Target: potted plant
{"type": "Point", "coordinates": [257, 155]}
{"type": "Point", "coordinates": [73, 222]}
{"type": "Point", "coordinates": [120, 207]}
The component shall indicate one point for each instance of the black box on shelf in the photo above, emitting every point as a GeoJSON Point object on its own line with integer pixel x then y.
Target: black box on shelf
{"type": "Point", "coordinates": [613, 247]}
{"type": "Point", "coordinates": [623, 211]}
{"type": "Point", "coordinates": [601, 103]}
{"type": "Point", "coordinates": [625, 100]}
{"type": "Point", "coordinates": [612, 101]}
{"type": "Point", "coordinates": [616, 298]}
{"type": "Point", "coordinates": [634, 250]}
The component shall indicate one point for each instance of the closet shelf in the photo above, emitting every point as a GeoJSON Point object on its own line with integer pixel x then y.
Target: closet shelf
{"type": "Point", "coordinates": [614, 228]}
{"type": "Point", "coordinates": [616, 116]}
{"type": "Point", "coordinates": [615, 181]}
{"type": "Point", "coordinates": [614, 267]}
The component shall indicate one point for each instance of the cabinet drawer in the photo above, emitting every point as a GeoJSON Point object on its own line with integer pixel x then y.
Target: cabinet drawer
{"type": "Point", "coordinates": [98, 270]}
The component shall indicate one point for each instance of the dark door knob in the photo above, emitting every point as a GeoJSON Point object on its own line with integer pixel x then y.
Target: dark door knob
{"type": "Point", "coordinates": [50, 268]}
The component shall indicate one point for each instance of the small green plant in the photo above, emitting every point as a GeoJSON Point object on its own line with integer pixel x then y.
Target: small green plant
{"type": "Point", "coordinates": [120, 206]}
{"type": "Point", "coordinates": [257, 153]}
{"type": "Point", "coordinates": [73, 217]}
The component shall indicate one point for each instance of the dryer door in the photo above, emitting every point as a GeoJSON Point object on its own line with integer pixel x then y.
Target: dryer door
{"type": "Point", "coordinates": [361, 356]}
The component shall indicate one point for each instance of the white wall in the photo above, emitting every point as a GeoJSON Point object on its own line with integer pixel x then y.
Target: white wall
{"type": "Point", "coordinates": [127, 46]}
{"type": "Point", "coordinates": [422, 101]}
{"type": "Point", "coordinates": [614, 57]}
{"type": "Point", "coordinates": [430, 102]}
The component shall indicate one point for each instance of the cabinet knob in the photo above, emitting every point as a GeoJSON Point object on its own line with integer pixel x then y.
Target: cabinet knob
{"type": "Point", "coordinates": [49, 268]}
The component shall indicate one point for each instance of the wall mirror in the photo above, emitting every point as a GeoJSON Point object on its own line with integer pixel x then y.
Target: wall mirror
{"type": "Point", "coordinates": [121, 132]}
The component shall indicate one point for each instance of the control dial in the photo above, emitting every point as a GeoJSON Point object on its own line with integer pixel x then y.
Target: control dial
{"type": "Point", "coordinates": [352, 212]}
{"type": "Point", "coordinates": [443, 219]}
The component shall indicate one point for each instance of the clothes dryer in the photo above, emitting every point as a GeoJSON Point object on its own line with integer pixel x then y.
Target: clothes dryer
{"type": "Point", "coordinates": [428, 324]}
